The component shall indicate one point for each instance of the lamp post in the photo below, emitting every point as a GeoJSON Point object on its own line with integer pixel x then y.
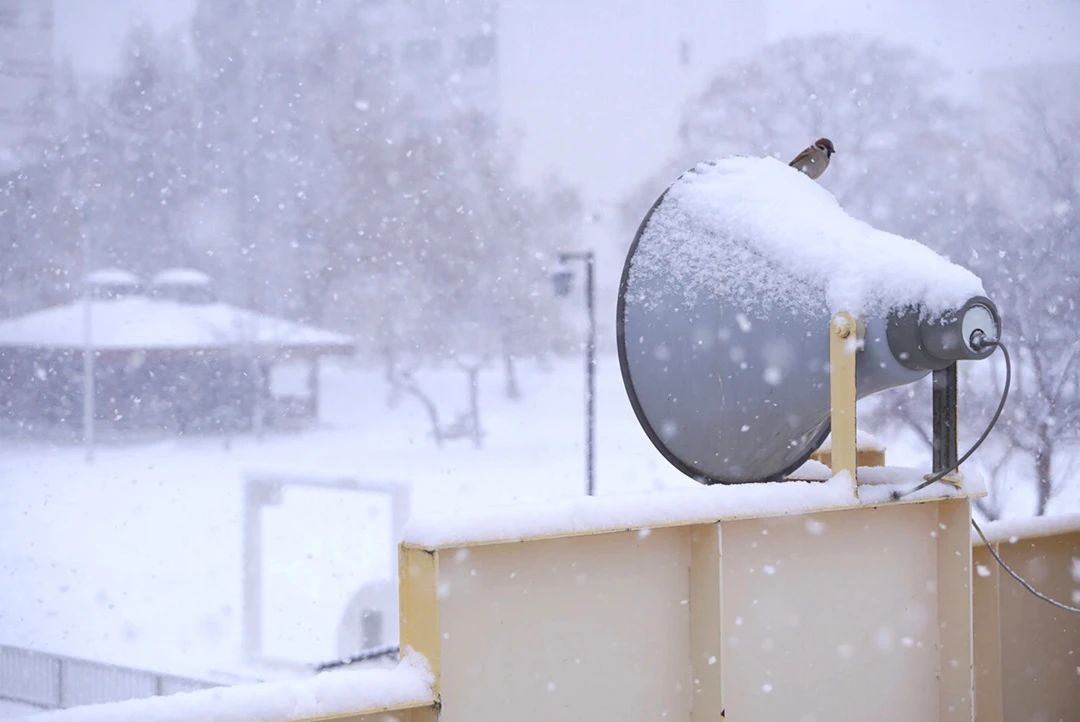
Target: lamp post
{"type": "Point", "coordinates": [89, 392]}
{"type": "Point", "coordinates": [88, 373]}
{"type": "Point", "coordinates": [562, 280]}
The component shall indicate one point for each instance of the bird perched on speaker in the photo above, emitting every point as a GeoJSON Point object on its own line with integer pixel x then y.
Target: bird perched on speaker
{"type": "Point", "coordinates": [814, 160]}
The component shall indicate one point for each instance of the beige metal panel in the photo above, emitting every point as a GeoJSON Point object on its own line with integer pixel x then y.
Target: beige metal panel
{"type": "Point", "coordinates": [1041, 644]}
{"type": "Point", "coordinates": [706, 646]}
{"type": "Point", "coordinates": [955, 656]}
{"type": "Point", "coordinates": [581, 628]}
{"type": "Point", "coordinates": [833, 616]}
{"type": "Point", "coordinates": [986, 582]}
{"type": "Point", "coordinates": [425, 714]}
{"type": "Point", "coordinates": [843, 345]}
{"type": "Point", "coordinates": [418, 572]}
{"type": "Point", "coordinates": [403, 714]}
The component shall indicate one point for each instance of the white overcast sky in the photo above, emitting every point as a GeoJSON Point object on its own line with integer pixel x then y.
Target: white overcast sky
{"type": "Point", "coordinates": [593, 89]}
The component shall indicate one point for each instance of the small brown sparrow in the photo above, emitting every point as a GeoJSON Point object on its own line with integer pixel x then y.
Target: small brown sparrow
{"type": "Point", "coordinates": [814, 160]}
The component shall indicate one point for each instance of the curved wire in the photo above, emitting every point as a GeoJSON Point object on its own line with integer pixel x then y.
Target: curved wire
{"type": "Point", "coordinates": [1017, 577]}
{"type": "Point", "coordinates": [939, 475]}
{"type": "Point", "coordinates": [373, 653]}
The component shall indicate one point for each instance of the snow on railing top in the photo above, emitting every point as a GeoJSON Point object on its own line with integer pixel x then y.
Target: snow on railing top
{"type": "Point", "coordinates": [1013, 530]}
{"type": "Point", "coordinates": [330, 693]}
{"type": "Point", "coordinates": [743, 229]}
{"type": "Point", "coordinates": [671, 507]}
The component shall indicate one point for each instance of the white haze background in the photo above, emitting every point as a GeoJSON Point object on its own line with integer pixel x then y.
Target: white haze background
{"type": "Point", "coordinates": [956, 124]}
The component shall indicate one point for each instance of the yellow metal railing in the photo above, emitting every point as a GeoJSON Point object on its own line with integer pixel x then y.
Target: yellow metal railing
{"type": "Point", "coordinates": [838, 613]}
{"type": "Point", "coordinates": [1027, 652]}
{"type": "Point", "coordinates": [400, 713]}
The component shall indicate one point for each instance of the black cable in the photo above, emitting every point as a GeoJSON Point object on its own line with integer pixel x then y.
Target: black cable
{"type": "Point", "coordinates": [1017, 577]}
{"type": "Point", "coordinates": [374, 653]}
{"type": "Point", "coordinates": [978, 343]}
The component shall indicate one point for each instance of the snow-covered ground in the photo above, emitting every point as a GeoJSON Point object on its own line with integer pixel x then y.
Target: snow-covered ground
{"type": "Point", "coordinates": [332, 694]}
{"type": "Point", "coordinates": [135, 559]}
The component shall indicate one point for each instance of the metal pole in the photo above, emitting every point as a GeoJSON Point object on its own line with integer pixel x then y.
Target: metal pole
{"type": "Point", "coordinates": [590, 377]}
{"type": "Point", "coordinates": [251, 572]}
{"type": "Point", "coordinates": [88, 354]}
{"type": "Point", "coordinates": [589, 259]}
{"type": "Point", "coordinates": [59, 683]}
{"type": "Point", "coordinates": [945, 421]}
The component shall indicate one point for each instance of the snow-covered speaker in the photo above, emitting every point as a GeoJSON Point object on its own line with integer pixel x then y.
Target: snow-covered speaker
{"type": "Point", "coordinates": [724, 309]}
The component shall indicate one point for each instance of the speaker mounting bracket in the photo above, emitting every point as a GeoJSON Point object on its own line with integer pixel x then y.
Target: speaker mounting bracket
{"type": "Point", "coordinates": [845, 341]}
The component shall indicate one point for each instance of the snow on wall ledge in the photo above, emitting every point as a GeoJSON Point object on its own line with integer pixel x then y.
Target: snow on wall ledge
{"type": "Point", "coordinates": [695, 505]}
{"type": "Point", "coordinates": [329, 693]}
{"type": "Point", "coordinates": [742, 229]}
{"type": "Point", "coordinates": [1012, 530]}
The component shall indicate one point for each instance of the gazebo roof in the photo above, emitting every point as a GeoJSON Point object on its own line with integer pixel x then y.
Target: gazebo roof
{"type": "Point", "coordinates": [139, 323]}
{"type": "Point", "coordinates": [181, 277]}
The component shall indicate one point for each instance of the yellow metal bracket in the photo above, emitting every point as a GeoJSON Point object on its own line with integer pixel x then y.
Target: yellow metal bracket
{"type": "Point", "coordinates": [845, 341]}
{"type": "Point", "coordinates": [418, 573]}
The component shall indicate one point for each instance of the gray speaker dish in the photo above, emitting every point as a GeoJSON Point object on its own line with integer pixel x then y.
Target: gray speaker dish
{"type": "Point", "coordinates": [734, 392]}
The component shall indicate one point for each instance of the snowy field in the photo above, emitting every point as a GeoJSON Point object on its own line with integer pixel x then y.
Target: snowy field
{"type": "Point", "coordinates": [136, 558]}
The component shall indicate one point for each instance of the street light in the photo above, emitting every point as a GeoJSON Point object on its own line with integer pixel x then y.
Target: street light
{"type": "Point", "coordinates": [89, 389]}
{"type": "Point", "coordinates": [563, 282]}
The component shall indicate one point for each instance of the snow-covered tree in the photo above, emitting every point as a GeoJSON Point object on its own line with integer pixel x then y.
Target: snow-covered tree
{"type": "Point", "coordinates": [898, 137]}
{"type": "Point", "coordinates": [298, 158]}
{"type": "Point", "coordinates": [1027, 248]}
{"type": "Point", "coordinates": [143, 146]}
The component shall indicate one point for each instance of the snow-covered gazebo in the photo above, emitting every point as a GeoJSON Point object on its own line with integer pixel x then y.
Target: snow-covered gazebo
{"type": "Point", "coordinates": [166, 356]}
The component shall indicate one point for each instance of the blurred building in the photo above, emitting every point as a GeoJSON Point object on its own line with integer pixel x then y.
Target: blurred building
{"type": "Point", "coordinates": [168, 357]}
{"type": "Point", "coordinates": [26, 68]}
{"type": "Point", "coordinates": [442, 51]}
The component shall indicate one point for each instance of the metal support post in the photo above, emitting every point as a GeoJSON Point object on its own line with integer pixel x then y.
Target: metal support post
{"type": "Point", "coordinates": [589, 259]}
{"type": "Point", "coordinates": [945, 422]}
{"type": "Point", "coordinates": [590, 372]}
{"type": "Point", "coordinates": [843, 346]}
